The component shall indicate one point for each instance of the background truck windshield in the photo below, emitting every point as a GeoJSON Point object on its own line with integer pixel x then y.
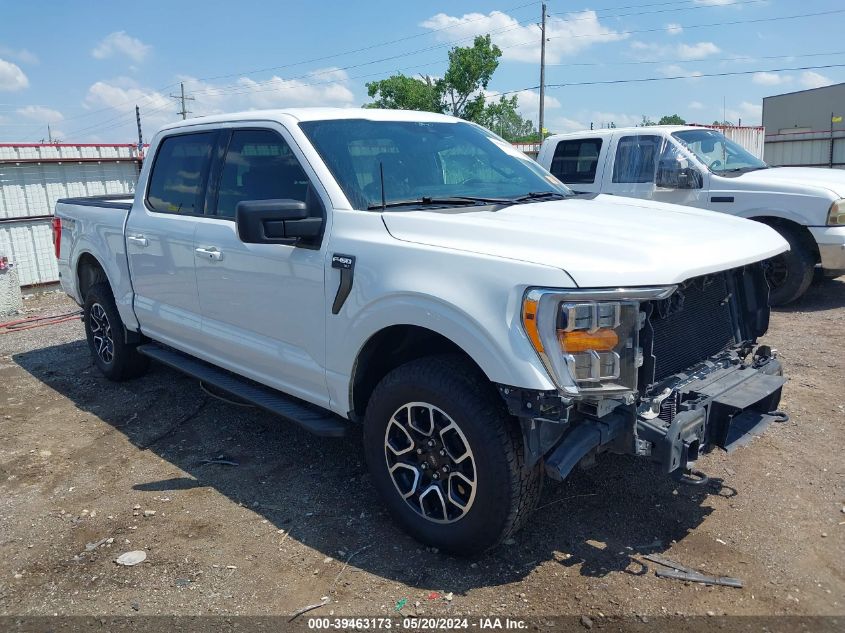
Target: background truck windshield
{"type": "Point", "coordinates": [717, 152]}
{"type": "Point", "coordinates": [434, 160]}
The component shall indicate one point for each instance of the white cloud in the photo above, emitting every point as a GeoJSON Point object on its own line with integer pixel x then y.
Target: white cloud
{"type": "Point", "coordinates": [40, 113]}
{"type": "Point", "coordinates": [811, 79]}
{"type": "Point", "coordinates": [327, 87]}
{"type": "Point", "coordinates": [673, 70]}
{"type": "Point", "coordinates": [674, 29]}
{"type": "Point", "coordinates": [715, 3]}
{"type": "Point", "coordinates": [651, 51]}
{"type": "Point", "coordinates": [770, 79]}
{"type": "Point", "coordinates": [529, 103]}
{"type": "Point", "coordinates": [747, 112]}
{"type": "Point", "coordinates": [12, 78]}
{"type": "Point", "coordinates": [697, 51]}
{"type": "Point", "coordinates": [567, 35]}
{"type": "Point", "coordinates": [695, 105]}
{"type": "Point", "coordinates": [22, 55]}
{"type": "Point", "coordinates": [121, 43]}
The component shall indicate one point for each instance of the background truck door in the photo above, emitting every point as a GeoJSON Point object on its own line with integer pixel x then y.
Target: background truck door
{"type": "Point", "coordinates": [263, 305]}
{"type": "Point", "coordinates": [160, 240]}
{"type": "Point", "coordinates": [635, 160]}
{"type": "Point", "coordinates": [576, 161]}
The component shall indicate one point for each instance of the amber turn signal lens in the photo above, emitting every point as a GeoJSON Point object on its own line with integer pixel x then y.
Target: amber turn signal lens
{"type": "Point", "coordinates": [529, 322]}
{"type": "Point", "coordinates": [602, 340]}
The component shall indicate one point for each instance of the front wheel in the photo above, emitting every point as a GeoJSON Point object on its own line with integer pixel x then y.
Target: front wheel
{"type": "Point", "coordinates": [791, 273]}
{"type": "Point", "coordinates": [446, 457]}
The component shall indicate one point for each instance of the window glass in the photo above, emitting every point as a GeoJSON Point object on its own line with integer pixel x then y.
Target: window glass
{"type": "Point", "coordinates": [259, 165]}
{"type": "Point", "coordinates": [576, 160]}
{"type": "Point", "coordinates": [423, 159]}
{"type": "Point", "coordinates": [636, 158]}
{"type": "Point", "coordinates": [177, 181]}
{"type": "Point", "coordinates": [720, 154]}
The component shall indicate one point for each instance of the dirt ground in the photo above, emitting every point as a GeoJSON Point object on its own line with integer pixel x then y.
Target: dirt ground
{"type": "Point", "coordinates": [90, 469]}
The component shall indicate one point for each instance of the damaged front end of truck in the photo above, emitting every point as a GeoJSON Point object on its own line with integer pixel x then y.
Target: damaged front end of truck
{"type": "Point", "coordinates": [665, 373]}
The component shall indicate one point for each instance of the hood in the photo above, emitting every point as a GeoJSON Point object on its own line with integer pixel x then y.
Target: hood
{"type": "Point", "coordinates": [831, 179]}
{"type": "Point", "coordinates": [601, 242]}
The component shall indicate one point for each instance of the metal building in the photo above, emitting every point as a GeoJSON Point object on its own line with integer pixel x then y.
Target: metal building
{"type": "Point", "coordinates": [806, 128]}
{"type": "Point", "coordinates": [33, 176]}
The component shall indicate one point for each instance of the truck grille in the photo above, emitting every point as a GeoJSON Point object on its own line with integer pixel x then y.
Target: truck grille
{"type": "Point", "coordinates": [691, 325]}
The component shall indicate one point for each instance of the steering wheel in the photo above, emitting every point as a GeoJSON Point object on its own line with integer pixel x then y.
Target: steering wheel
{"type": "Point", "coordinates": [715, 164]}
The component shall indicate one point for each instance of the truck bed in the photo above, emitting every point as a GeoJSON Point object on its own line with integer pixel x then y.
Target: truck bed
{"type": "Point", "coordinates": [108, 201]}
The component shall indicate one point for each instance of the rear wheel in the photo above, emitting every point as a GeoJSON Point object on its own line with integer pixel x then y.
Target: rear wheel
{"type": "Point", "coordinates": [117, 359]}
{"type": "Point", "coordinates": [446, 457]}
{"type": "Point", "coordinates": [791, 273]}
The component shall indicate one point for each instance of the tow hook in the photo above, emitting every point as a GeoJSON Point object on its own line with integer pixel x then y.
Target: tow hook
{"type": "Point", "coordinates": [691, 477]}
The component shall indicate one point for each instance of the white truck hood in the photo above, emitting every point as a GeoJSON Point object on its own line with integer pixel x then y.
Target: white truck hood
{"type": "Point", "coordinates": [830, 179]}
{"type": "Point", "coordinates": [603, 242]}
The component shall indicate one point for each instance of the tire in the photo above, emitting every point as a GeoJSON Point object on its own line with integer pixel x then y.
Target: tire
{"type": "Point", "coordinates": [117, 359]}
{"type": "Point", "coordinates": [791, 273]}
{"type": "Point", "coordinates": [487, 494]}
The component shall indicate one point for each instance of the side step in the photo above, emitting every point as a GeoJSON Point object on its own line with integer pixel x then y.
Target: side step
{"type": "Point", "coordinates": [317, 421]}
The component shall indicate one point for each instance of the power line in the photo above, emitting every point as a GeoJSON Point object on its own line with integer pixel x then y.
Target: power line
{"type": "Point", "coordinates": [740, 58]}
{"type": "Point", "coordinates": [670, 10]}
{"type": "Point", "coordinates": [184, 112]}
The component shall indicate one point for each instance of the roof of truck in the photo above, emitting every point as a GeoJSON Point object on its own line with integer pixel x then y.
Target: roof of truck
{"type": "Point", "coordinates": [316, 114]}
{"type": "Point", "coordinates": [627, 130]}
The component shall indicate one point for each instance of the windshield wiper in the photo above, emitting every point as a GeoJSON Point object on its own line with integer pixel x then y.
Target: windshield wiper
{"type": "Point", "coordinates": [539, 195]}
{"type": "Point", "coordinates": [444, 202]}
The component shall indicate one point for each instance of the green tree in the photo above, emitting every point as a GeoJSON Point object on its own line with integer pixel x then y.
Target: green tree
{"type": "Point", "coordinates": [502, 118]}
{"type": "Point", "coordinates": [671, 119]}
{"type": "Point", "coordinates": [723, 123]}
{"type": "Point", "coordinates": [399, 92]}
{"type": "Point", "coordinates": [470, 70]}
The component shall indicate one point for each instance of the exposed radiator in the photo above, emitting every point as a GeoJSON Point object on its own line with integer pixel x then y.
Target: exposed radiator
{"type": "Point", "coordinates": [692, 325]}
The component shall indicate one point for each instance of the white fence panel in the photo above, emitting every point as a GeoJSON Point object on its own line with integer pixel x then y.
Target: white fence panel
{"type": "Point", "coordinates": [29, 245]}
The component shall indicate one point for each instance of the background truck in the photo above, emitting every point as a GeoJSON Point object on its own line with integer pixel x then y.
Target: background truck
{"type": "Point", "coordinates": [415, 275]}
{"type": "Point", "coordinates": [699, 167]}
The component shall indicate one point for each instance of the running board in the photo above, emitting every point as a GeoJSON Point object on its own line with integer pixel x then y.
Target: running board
{"type": "Point", "coordinates": [312, 419]}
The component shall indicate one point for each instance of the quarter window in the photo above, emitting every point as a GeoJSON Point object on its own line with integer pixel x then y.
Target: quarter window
{"type": "Point", "coordinates": [177, 181]}
{"type": "Point", "coordinates": [636, 158]}
{"type": "Point", "coordinates": [259, 165]}
{"type": "Point", "coordinates": [575, 161]}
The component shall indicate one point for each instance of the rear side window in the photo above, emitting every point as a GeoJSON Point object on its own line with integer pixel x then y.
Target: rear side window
{"type": "Point", "coordinates": [575, 161]}
{"type": "Point", "coordinates": [636, 158]}
{"type": "Point", "coordinates": [259, 165]}
{"type": "Point", "coordinates": [177, 181]}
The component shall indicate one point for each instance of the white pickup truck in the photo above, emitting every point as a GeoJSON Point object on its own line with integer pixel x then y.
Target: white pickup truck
{"type": "Point", "coordinates": [699, 167]}
{"type": "Point", "coordinates": [414, 275]}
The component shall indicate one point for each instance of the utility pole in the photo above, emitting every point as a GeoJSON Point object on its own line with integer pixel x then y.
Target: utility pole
{"type": "Point", "coordinates": [542, 70]}
{"type": "Point", "coordinates": [184, 111]}
{"type": "Point", "coordinates": [49, 134]}
{"type": "Point", "coordinates": [140, 136]}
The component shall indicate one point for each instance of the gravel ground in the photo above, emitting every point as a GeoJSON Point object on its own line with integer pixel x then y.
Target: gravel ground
{"type": "Point", "coordinates": [90, 469]}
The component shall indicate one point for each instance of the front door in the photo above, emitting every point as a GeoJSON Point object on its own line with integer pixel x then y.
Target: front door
{"type": "Point", "coordinates": [160, 241]}
{"type": "Point", "coordinates": [263, 305]}
{"type": "Point", "coordinates": [636, 158]}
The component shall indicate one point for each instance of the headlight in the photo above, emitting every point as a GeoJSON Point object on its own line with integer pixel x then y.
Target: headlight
{"type": "Point", "coordinates": [588, 340]}
{"type": "Point", "coordinates": [836, 215]}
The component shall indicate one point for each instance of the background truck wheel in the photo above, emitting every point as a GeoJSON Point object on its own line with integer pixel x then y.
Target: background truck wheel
{"type": "Point", "coordinates": [446, 457]}
{"type": "Point", "coordinates": [117, 359]}
{"type": "Point", "coordinates": [791, 273]}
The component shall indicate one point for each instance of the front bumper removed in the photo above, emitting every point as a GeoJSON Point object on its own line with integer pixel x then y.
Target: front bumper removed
{"type": "Point", "coordinates": [723, 405]}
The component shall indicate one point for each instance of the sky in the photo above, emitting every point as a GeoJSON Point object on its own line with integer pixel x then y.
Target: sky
{"type": "Point", "coordinates": [83, 66]}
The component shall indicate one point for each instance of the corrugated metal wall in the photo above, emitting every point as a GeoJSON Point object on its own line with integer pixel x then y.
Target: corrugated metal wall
{"type": "Point", "coordinates": [751, 138]}
{"type": "Point", "coordinates": [34, 177]}
{"type": "Point", "coordinates": [806, 149]}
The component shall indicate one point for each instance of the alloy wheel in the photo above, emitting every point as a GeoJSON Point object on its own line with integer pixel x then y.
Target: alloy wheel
{"type": "Point", "coordinates": [101, 333]}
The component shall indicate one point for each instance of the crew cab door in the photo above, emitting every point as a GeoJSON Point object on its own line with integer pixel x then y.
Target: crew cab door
{"type": "Point", "coordinates": [639, 164]}
{"type": "Point", "coordinates": [263, 305]}
{"type": "Point", "coordinates": [576, 163]}
{"type": "Point", "coordinates": [160, 240]}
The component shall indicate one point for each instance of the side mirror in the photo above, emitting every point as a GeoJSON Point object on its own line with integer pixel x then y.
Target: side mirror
{"type": "Point", "coordinates": [275, 221]}
{"type": "Point", "coordinates": [671, 175]}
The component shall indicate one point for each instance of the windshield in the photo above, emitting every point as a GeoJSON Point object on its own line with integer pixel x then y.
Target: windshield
{"type": "Point", "coordinates": [432, 161]}
{"type": "Point", "coordinates": [721, 155]}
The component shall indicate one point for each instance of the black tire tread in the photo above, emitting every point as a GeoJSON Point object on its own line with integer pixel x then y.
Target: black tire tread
{"type": "Point", "coordinates": [801, 260]}
{"type": "Point", "coordinates": [128, 362]}
{"type": "Point", "coordinates": [454, 377]}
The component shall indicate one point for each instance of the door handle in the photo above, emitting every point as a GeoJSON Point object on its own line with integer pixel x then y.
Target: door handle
{"type": "Point", "coordinates": [138, 240]}
{"type": "Point", "coordinates": [209, 253]}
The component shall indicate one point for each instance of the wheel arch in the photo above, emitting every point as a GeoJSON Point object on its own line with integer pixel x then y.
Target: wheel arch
{"type": "Point", "coordinates": [89, 271]}
{"type": "Point", "coordinates": [781, 224]}
{"type": "Point", "coordinates": [391, 347]}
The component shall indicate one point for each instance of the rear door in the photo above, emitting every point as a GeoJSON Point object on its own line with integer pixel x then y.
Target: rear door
{"type": "Point", "coordinates": [263, 305]}
{"type": "Point", "coordinates": [160, 240]}
{"type": "Point", "coordinates": [576, 162]}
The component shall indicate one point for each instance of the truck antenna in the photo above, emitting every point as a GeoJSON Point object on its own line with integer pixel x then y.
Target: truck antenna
{"type": "Point", "coordinates": [381, 173]}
